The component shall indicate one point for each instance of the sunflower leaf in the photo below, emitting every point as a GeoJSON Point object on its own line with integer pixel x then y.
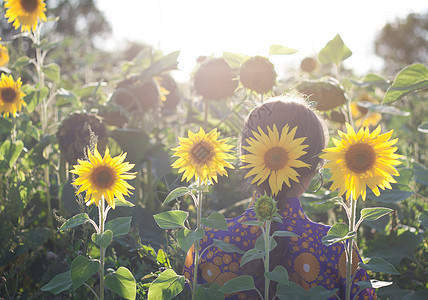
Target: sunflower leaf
{"type": "Point", "coordinates": [278, 49]}
{"type": "Point", "coordinates": [166, 286]}
{"type": "Point", "coordinates": [122, 282]}
{"type": "Point", "coordinates": [377, 264]}
{"type": "Point", "coordinates": [329, 240]}
{"type": "Point", "coordinates": [278, 274]}
{"type": "Point", "coordinates": [227, 247]}
{"type": "Point", "coordinates": [238, 284]}
{"type": "Point", "coordinates": [171, 219]}
{"type": "Point", "coordinates": [251, 255]}
{"type": "Point", "coordinates": [410, 79]}
{"type": "Point", "coordinates": [215, 220]}
{"type": "Point", "coordinates": [176, 193]}
{"type": "Point", "coordinates": [119, 226]}
{"type": "Point", "coordinates": [77, 220]}
{"type": "Point", "coordinates": [423, 127]}
{"type": "Point", "coordinates": [82, 268]}
{"type": "Point", "coordinates": [374, 213]}
{"type": "Point", "coordinates": [334, 52]}
{"type": "Point", "coordinates": [103, 239]}
{"type": "Point", "coordinates": [186, 238]}
{"type": "Point", "coordinates": [59, 283]}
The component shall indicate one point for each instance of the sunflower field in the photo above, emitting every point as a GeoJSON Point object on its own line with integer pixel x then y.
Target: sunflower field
{"type": "Point", "coordinates": [111, 168]}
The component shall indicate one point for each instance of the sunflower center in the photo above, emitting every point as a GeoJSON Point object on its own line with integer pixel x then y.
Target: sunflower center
{"type": "Point", "coordinates": [202, 152]}
{"type": "Point", "coordinates": [276, 158]}
{"type": "Point", "coordinates": [8, 95]}
{"type": "Point", "coordinates": [360, 158]}
{"type": "Point", "coordinates": [103, 177]}
{"type": "Point", "coordinates": [29, 5]}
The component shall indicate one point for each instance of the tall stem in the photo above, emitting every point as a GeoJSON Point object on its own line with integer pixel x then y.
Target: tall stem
{"type": "Point", "coordinates": [350, 248]}
{"type": "Point", "coordinates": [267, 248]}
{"type": "Point", "coordinates": [102, 249]}
{"type": "Point", "coordinates": [196, 245]}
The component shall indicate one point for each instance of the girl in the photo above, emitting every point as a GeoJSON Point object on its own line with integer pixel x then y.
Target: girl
{"type": "Point", "coordinates": [280, 143]}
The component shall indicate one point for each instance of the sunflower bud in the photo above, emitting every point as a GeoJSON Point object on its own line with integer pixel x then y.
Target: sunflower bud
{"type": "Point", "coordinates": [265, 208]}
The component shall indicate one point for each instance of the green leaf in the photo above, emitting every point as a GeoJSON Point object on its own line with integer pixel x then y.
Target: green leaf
{"type": "Point", "coordinates": [22, 61]}
{"type": "Point", "coordinates": [120, 203]}
{"type": "Point", "coordinates": [423, 127]}
{"type": "Point", "coordinates": [176, 193]}
{"type": "Point", "coordinates": [11, 151]}
{"type": "Point", "coordinates": [77, 220]}
{"type": "Point", "coordinates": [329, 240]}
{"type": "Point", "coordinates": [334, 52]}
{"type": "Point", "coordinates": [215, 220]}
{"type": "Point", "coordinates": [134, 142]}
{"type": "Point", "coordinates": [339, 230]}
{"type": "Point", "coordinates": [251, 255]}
{"type": "Point", "coordinates": [374, 213]}
{"type": "Point", "coordinates": [162, 258]}
{"type": "Point", "coordinates": [171, 219]}
{"type": "Point", "coordinates": [278, 274]}
{"type": "Point", "coordinates": [293, 291]}
{"type": "Point", "coordinates": [284, 233]}
{"type": "Point", "coordinates": [260, 244]}
{"type": "Point", "coordinates": [166, 286]}
{"type": "Point", "coordinates": [278, 49]}
{"type": "Point", "coordinates": [34, 96]}
{"type": "Point", "coordinates": [122, 282]}
{"type": "Point", "coordinates": [234, 60]}
{"type": "Point", "coordinates": [375, 80]}
{"type": "Point", "coordinates": [384, 109]}
{"type": "Point", "coordinates": [227, 247]}
{"type": "Point", "coordinates": [119, 226]}
{"type": "Point", "coordinates": [373, 283]}
{"type": "Point", "coordinates": [51, 72]}
{"type": "Point", "coordinates": [59, 283]}
{"type": "Point", "coordinates": [186, 238]}
{"type": "Point", "coordinates": [104, 239]}
{"type": "Point", "coordinates": [253, 223]}
{"type": "Point", "coordinates": [82, 268]}
{"type": "Point", "coordinates": [166, 63]}
{"type": "Point", "coordinates": [408, 80]}
{"type": "Point", "coordinates": [421, 173]}
{"type": "Point", "coordinates": [209, 292]}
{"type": "Point", "coordinates": [377, 264]}
{"type": "Point", "coordinates": [238, 284]}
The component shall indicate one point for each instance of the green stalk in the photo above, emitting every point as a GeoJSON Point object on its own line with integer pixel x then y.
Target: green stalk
{"type": "Point", "coordinates": [267, 248]}
{"type": "Point", "coordinates": [102, 249]}
{"type": "Point", "coordinates": [350, 248]}
{"type": "Point", "coordinates": [196, 244]}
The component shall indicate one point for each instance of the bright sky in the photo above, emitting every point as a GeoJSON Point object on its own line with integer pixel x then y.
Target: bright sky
{"type": "Point", "coordinates": [203, 27]}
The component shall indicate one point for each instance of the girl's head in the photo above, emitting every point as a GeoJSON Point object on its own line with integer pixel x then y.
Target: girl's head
{"type": "Point", "coordinates": [292, 111]}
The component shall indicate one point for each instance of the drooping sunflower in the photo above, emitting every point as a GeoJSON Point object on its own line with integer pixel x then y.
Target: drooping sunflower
{"type": "Point", "coordinates": [4, 55]}
{"type": "Point", "coordinates": [362, 159]}
{"type": "Point", "coordinates": [11, 97]}
{"type": "Point", "coordinates": [203, 156]}
{"type": "Point", "coordinates": [275, 156]}
{"type": "Point", "coordinates": [258, 74]}
{"type": "Point", "coordinates": [103, 177]}
{"type": "Point", "coordinates": [25, 13]}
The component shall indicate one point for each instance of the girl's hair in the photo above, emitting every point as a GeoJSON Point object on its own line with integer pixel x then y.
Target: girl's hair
{"type": "Point", "coordinates": [294, 111]}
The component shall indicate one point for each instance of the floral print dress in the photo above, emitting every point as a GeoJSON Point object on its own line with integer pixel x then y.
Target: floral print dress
{"type": "Point", "coordinates": [309, 262]}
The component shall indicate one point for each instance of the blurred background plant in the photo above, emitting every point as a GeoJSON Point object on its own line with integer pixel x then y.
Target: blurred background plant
{"type": "Point", "coordinates": [130, 99]}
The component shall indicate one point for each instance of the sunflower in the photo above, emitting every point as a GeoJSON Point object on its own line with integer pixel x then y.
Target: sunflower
{"type": "Point", "coordinates": [103, 177]}
{"type": "Point", "coordinates": [11, 96]}
{"type": "Point", "coordinates": [258, 74]}
{"type": "Point", "coordinates": [203, 156]}
{"type": "Point", "coordinates": [362, 159]}
{"type": "Point", "coordinates": [25, 13]}
{"type": "Point", "coordinates": [4, 55]}
{"type": "Point", "coordinates": [275, 156]}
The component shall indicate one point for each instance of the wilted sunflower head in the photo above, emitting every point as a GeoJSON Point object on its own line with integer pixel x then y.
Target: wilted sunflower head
{"type": "Point", "coordinates": [336, 116]}
{"type": "Point", "coordinates": [309, 64]}
{"type": "Point", "coordinates": [173, 95]}
{"type": "Point", "coordinates": [215, 79]}
{"type": "Point", "coordinates": [74, 135]}
{"type": "Point", "coordinates": [25, 13]}
{"type": "Point", "coordinates": [258, 74]}
{"type": "Point", "coordinates": [327, 94]}
{"type": "Point", "coordinates": [265, 208]}
{"type": "Point", "coordinates": [136, 96]}
{"type": "Point", "coordinates": [362, 115]}
{"type": "Point", "coordinates": [11, 97]}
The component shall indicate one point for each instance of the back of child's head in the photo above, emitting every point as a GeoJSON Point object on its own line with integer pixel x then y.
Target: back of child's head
{"type": "Point", "coordinates": [292, 111]}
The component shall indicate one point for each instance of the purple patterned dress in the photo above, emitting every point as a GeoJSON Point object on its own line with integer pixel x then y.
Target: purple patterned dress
{"type": "Point", "coordinates": [309, 262]}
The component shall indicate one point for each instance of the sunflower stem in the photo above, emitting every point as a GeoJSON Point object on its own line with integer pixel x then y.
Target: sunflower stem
{"type": "Point", "coordinates": [267, 249]}
{"type": "Point", "coordinates": [350, 248]}
{"type": "Point", "coordinates": [196, 244]}
{"type": "Point", "coordinates": [102, 249]}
